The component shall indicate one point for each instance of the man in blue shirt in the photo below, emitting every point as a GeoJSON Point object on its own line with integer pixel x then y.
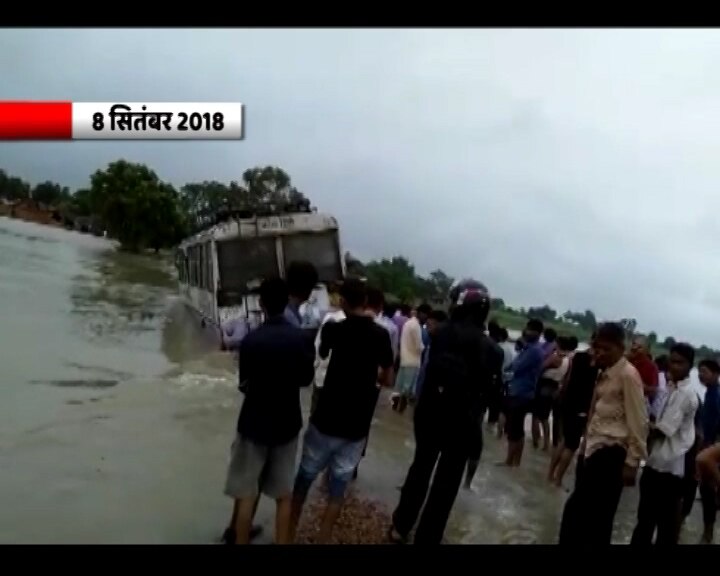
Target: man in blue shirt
{"type": "Point", "coordinates": [301, 278]}
{"type": "Point", "coordinates": [526, 370]}
{"type": "Point", "coordinates": [276, 360]}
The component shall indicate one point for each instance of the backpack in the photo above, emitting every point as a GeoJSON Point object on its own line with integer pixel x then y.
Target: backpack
{"type": "Point", "coordinates": [460, 370]}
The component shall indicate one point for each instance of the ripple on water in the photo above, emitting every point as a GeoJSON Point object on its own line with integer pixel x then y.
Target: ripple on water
{"type": "Point", "coordinates": [90, 383]}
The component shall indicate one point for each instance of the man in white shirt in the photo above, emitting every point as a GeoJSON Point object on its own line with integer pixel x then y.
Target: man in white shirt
{"type": "Point", "coordinates": [671, 436]}
{"type": "Point", "coordinates": [411, 349]}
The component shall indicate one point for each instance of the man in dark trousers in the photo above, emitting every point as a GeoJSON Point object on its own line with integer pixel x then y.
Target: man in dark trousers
{"type": "Point", "coordinates": [615, 442]}
{"type": "Point", "coordinates": [460, 371]}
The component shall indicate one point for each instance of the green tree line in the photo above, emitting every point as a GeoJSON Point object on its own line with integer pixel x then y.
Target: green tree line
{"type": "Point", "coordinates": [141, 211]}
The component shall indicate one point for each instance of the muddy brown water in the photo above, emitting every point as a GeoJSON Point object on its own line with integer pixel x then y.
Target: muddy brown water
{"type": "Point", "coordinates": [117, 413]}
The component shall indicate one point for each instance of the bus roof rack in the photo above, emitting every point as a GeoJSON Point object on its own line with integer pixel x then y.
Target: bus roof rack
{"type": "Point", "coordinates": [224, 214]}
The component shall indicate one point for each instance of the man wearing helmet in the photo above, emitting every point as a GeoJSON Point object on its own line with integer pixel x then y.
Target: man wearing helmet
{"type": "Point", "coordinates": [461, 366]}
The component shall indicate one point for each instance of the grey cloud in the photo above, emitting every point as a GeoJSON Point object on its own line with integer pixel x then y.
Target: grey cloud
{"type": "Point", "coordinates": [573, 167]}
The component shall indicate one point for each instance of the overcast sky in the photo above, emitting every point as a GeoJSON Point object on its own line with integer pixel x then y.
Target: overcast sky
{"type": "Point", "coordinates": [578, 168]}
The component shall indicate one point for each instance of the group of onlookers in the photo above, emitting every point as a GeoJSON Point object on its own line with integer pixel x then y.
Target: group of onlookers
{"type": "Point", "coordinates": [617, 411]}
{"type": "Point", "coordinates": [350, 359]}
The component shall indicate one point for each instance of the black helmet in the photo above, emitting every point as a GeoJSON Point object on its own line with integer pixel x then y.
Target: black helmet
{"type": "Point", "coordinates": [468, 291]}
{"type": "Point", "coordinates": [469, 299]}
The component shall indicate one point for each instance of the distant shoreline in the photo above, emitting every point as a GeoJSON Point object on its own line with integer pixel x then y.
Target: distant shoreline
{"type": "Point", "coordinates": [29, 211]}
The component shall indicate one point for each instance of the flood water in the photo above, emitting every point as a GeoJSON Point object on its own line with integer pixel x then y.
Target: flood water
{"type": "Point", "coordinates": [117, 414]}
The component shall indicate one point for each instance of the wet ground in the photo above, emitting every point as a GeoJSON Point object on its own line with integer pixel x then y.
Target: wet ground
{"type": "Point", "coordinates": [117, 414]}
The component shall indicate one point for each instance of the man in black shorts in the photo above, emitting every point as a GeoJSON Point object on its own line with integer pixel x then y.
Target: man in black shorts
{"type": "Point", "coordinates": [526, 369]}
{"type": "Point", "coordinates": [575, 397]}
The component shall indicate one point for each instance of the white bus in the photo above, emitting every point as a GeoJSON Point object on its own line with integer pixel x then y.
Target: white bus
{"type": "Point", "coordinates": [220, 268]}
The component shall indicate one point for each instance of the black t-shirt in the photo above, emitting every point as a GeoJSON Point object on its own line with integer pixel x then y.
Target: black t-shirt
{"type": "Point", "coordinates": [358, 347]}
{"type": "Point", "coordinates": [276, 360]}
{"type": "Point", "coordinates": [462, 370]}
{"type": "Point", "coordinates": [581, 383]}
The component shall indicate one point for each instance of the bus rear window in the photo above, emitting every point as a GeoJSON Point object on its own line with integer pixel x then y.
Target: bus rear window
{"type": "Point", "coordinates": [320, 248]}
{"type": "Point", "coordinates": [243, 261]}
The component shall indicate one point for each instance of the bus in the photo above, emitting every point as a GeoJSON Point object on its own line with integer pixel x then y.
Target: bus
{"type": "Point", "coordinates": [220, 268]}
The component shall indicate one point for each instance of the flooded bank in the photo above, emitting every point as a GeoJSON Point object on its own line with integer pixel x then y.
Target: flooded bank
{"type": "Point", "coordinates": [117, 414]}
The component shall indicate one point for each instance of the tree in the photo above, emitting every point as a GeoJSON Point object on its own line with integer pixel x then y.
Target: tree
{"type": "Point", "coordinates": [652, 339]}
{"type": "Point", "coordinates": [437, 286]}
{"type": "Point", "coordinates": [50, 193]}
{"type": "Point", "coordinates": [395, 276]}
{"type": "Point", "coordinates": [170, 223]}
{"type": "Point", "coordinates": [585, 320]}
{"type": "Point", "coordinates": [202, 201]}
{"type": "Point", "coordinates": [136, 207]}
{"type": "Point", "coordinates": [354, 267]}
{"type": "Point", "coordinates": [544, 313]}
{"type": "Point", "coordinates": [497, 304]}
{"type": "Point", "coordinates": [12, 188]}
{"type": "Point", "coordinates": [270, 187]}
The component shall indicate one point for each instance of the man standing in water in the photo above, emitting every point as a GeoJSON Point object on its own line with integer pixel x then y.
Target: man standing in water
{"type": "Point", "coordinates": [459, 374]}
{"type": "Point", "coordinates": [526, 369]}
{"type": "Point", "coordinates": [496, 335]}
{"type": "Point", "coordinates": [615, 443]}
{"type": "Point", "coordinates": [671, 437]}
{"type": "Point", "coordinates": [411, 349]}
{"type": "Point", "coordinates": [435, 321]}
{"type": "Point", "coordinates": [276, 360]}
{"type": "Point", "coordinates": [575, 396]}
{"type": "Point", "coordinates": [510, 353]}
{"type": "Point", "coordinates": [554, 370]}
{"type": "Point", "coordinates": [360, 355]}
{"type": "Point", "coordinates": [302, 278]}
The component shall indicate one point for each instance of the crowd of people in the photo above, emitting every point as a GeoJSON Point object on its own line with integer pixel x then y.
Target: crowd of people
{"type": "Point", "coordinates": [616, 411]}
